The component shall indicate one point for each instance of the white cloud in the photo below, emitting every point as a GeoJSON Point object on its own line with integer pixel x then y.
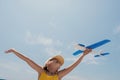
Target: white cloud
{"type": "Point", "coordinates": [52, 51]}
{"type": "Point", "coordinates": [74, 77]}
{"type": "Point", "coordinates": [33, 39]}
{"type": "Point", "coordinates": [49, 43]}
{"type": "Point", "coordinates": [117, 30]}
{"type": "Point", "coordinates": [11, 66]}
{"type": "Point", "coordinates": [52, 22]}
{"type": "Point", "coordinates": [15, 67]}
{"type": "Point", "coordinates": [11, 71]}
{"type": "Point", "coordinates": [41, 39]}
{"type": "Point", "coordinates": [90, 59]}
{"type": "Point", "coordinates": [71, 59]}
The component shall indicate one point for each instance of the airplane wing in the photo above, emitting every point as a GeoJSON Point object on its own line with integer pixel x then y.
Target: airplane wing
{"type": "Point", "coordinates": [102, 54]}
{"type": "Point", "coordinates": [98, 44]}
{"type": "Point", "coordinates": [77, 52]}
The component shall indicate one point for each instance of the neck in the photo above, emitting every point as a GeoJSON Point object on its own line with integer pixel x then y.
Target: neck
{"type": "Point", "coordinates": [50, 73]}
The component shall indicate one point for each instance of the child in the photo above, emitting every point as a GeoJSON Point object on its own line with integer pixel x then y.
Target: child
{"type": "Point", "coordinates": [50, 70]}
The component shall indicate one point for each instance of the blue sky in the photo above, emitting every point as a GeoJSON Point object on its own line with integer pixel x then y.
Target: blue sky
{"type": "Point", "coordinates": [40, 29]}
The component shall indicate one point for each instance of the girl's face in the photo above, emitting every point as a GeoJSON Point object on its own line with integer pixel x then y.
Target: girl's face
{"type": "Point", "coordinates": [53, 65]}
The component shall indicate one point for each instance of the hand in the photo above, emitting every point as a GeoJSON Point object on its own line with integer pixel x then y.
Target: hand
{"type": "Point", "coordinates": [87, 51]}
{"type": "Point", "coordinates": [10, 50]}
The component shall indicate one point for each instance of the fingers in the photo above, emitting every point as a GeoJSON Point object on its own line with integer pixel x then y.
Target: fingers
{"type": "Point", "coordinates": [9, 51]}
{"type": "Point", "coordinates": [87, 51]}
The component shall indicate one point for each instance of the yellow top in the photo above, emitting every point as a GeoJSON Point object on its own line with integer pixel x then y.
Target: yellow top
{"type": "Point", "coordinates": [44, 76]}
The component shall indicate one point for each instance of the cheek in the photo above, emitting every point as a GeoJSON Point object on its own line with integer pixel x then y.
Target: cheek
{"type": "Point", "coordinates": [57, 66]}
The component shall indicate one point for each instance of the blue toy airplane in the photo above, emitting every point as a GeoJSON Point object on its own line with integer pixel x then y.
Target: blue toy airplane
{"type": "Point", "coordinates": [82, 47]}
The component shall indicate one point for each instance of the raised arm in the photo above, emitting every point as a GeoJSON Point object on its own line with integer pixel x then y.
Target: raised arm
{"type": "Point", "coordinates": [26, 59]}
{"type": "Point", "coordinates": [64, 72]}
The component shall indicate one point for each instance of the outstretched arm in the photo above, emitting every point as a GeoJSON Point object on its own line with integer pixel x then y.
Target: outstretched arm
{"type": "Point", "coordinates": [64, 72]}
{"type": "Point", "coordinates": [26, 59]}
